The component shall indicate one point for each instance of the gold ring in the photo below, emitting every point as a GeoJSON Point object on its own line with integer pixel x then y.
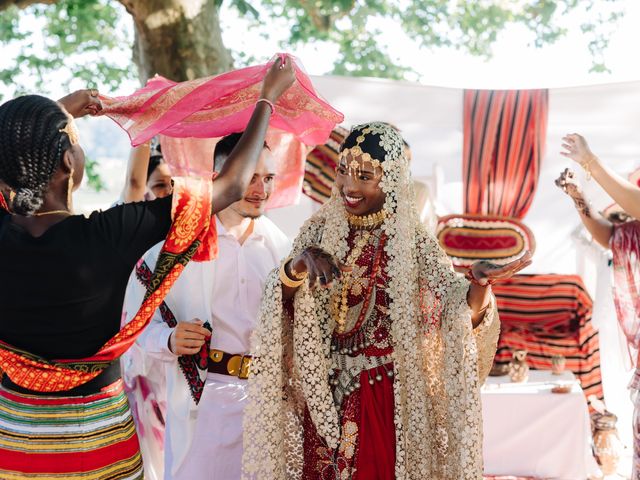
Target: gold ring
{"type": "Point", "coordinates": [93, 92]}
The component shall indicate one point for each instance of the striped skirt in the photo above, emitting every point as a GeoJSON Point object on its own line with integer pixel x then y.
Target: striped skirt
{"type": "Point", "coordinates": [91, 437]}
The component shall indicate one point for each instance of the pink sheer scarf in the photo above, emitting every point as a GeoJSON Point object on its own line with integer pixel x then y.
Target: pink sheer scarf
{"type": "Point", "coordinates": [193, 115]}
{"type": "Point", "coordinates": [217, 106]}
{"type": "Point", "coordinates": [625, 245]}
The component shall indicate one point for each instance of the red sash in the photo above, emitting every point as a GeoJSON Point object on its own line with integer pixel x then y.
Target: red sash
{"type": "Point", "coordinates": [191, 236]}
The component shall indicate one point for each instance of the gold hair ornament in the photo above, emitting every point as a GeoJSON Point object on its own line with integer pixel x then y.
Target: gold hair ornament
{"type": "Point", "coordinates": [72, 131]}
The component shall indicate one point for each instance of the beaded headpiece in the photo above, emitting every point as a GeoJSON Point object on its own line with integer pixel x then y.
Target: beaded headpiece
{"type": "Point", "coordinates": [390, 141]}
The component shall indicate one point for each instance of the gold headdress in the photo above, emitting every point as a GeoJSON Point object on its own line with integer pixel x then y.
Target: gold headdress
{"type": "Point", "coordinates": [390, 141]}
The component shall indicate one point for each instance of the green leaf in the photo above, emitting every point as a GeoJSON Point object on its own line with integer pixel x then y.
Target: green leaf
{"type": "Point", "coordinates": [93, 177]}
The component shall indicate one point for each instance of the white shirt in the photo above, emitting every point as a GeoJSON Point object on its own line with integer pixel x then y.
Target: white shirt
{"type": "Point", "coordinates": [227, 293]}
{"type": "Point", "coordinates": [240, 274]}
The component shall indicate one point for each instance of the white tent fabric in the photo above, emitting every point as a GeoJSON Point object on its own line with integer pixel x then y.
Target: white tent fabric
{"type": "Point", "coordinates": [430, 118]}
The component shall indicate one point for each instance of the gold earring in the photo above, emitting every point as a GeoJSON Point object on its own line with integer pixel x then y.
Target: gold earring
{"type": "Point", "coordinates": [70, 190]}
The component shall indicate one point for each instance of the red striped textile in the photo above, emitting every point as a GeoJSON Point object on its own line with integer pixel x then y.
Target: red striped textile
{"type": "Point", "coordinates": [548, 315]}
{"type": "Point", "coordinates": [504, 140]}
{"type": "Point", "coordinates": [89, 438]}
{"type": "Point", "coordinates": [320, 166]}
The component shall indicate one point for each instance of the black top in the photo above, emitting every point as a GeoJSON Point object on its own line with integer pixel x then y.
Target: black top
{"type": "Point", "coordinates": [61, 294]}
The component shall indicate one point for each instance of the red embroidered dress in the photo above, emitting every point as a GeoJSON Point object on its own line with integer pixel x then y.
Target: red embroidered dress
{"type": "Point", "coordinates": [362, 383]}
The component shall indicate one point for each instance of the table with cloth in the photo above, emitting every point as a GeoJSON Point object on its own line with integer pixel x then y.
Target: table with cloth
{"type": "Point", "coordinates": [549, 315]}
{"type": "Point", "coordinates": [530, 431]}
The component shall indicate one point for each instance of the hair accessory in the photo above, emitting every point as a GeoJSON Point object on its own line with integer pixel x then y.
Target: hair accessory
{"type": "Point", "coordinates": [72, 131]}
{"type": "Point", "coordinates": [390, 141]}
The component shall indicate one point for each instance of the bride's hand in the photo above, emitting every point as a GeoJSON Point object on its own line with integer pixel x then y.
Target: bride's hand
{"type": "Point", "coordinates": [486, 272]}
{"type": "Point", "coordinates": [321, 266]}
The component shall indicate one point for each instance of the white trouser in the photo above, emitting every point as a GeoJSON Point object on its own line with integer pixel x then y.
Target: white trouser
{"type": "Point", "coordinates": [216, 449]}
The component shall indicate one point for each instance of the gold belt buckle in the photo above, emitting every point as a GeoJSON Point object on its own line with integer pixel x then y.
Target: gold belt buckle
{"type": "Point", "coordinates": [238, 366]}
{"type": "Point", "coordinates": [245, 367]}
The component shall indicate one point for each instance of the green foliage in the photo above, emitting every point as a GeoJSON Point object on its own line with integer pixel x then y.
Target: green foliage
{"type": "Point", "coordinates": [93, 177]}
{"type": "Point", "coordinates": [87, 39]}
{"type": "Point", "coordinates": [472, 26]}
{"type": "Point", "coordinates": [83, 38]}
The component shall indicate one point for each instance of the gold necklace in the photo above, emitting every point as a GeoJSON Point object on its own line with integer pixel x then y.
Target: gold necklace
{"type": "Point", "coordinates": [343, 308]}
{"type": "Point", "coordinates": [51, 212]}
{"type": "Point", "coordinates": [367, 221]}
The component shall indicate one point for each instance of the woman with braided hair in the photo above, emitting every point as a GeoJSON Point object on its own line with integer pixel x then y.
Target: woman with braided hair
{"type": "Point", "coordinates": [63, 412]}
{"type": "Point", "coordinates": [374, 374]}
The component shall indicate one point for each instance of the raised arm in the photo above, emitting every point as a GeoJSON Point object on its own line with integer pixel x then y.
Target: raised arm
{"type": "Point", "coordinates": [135, 184]}
{"type": "Point", "coordinates": [237, 171]}
{"type": "Point", "coordinates": [626, 194]}
{"type": "Point", "coordinates": [599, 228]}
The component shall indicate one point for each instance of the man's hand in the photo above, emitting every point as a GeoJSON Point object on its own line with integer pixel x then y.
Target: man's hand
{"type": "Point", "coordinates": [187, 338]}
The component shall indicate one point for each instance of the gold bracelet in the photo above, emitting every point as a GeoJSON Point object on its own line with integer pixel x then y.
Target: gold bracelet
{"type": "Point", "coordinates": [286, 281]}
{"type": "Point", "coordinates": [586, 166]}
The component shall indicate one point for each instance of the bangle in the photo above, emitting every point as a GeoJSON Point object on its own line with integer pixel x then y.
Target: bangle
{"type": "Point", "coordinates": [286, 281]}
{"type": "Point", "coordinates": [268, 102]}
{"type": "Point", "coordinates": [469, 276]}
{"type": "Point", "coordinates": [586, 166]}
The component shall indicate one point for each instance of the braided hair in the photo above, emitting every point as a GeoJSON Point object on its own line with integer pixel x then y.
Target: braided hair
{"type": "Point", "coordinates": [31, 148]}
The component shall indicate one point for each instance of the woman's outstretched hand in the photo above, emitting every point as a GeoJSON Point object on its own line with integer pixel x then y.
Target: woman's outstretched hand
{"type": "Point", "coordinates": [577, 149]}
{"type": "Point", "coordinates": [278, 79]}
{"type": "Point", "coordinates": [82, 102]}
{"type": "Point", "coordinates": [486, 272]}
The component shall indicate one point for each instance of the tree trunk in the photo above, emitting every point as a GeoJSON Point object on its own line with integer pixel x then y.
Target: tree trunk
{"type": "Point", "coordinates": [178, 39]}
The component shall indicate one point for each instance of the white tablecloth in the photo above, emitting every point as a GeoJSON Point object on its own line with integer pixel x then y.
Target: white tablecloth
{"type": "Point", "coordinates": [529, 431]}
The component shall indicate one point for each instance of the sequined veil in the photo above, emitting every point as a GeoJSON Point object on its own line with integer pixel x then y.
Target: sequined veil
{"type": "Point", "coordinates": [438, 360]}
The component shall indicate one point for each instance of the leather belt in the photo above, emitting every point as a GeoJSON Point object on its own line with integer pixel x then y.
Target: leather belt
{"type": "Point", "coordinates": [229, 364]}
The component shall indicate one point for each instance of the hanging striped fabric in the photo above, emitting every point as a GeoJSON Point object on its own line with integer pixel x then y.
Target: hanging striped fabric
{"type": "Point", "coordinates": [52, 437]}
{"type": "Point", "coordinates": [504, 140]}
{"type": "Point", "coordinates": [320, 167]}
{"type": "Point", "coordinates": [550, 315]}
